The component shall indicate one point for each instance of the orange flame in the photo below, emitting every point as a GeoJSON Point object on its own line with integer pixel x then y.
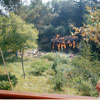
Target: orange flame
{"type": "Point", "coordinates": [73, 44]}
{"type": "Point", "coordinates": [53, 45]}
{"type": "Point", "coordinates": [57, 35]}
{"type": "Point", "coordinates": [58, 47]}
{"type": "Point", "coordinates": [63, 45]}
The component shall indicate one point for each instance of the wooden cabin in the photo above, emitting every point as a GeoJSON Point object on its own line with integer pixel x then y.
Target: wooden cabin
{"type": "Point", "coordinates": [64, 43]}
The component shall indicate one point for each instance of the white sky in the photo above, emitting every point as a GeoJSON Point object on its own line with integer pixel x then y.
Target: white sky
{"type": "Point", "coordinates": [45, 1]}
{"type": "Point", "coordinates": [28, 1]}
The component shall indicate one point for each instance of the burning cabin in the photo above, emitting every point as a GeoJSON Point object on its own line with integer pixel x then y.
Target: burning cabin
{"type": "Point", "coordinates": [64, 43]}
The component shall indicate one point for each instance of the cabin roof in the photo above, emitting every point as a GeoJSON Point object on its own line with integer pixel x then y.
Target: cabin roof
{"type": "Point", "coordinates": [64, 39]}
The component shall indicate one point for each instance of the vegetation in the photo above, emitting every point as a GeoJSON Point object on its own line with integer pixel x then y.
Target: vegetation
{"type": "Point", "coordinates": [4, 82]}
{"type": "Point", "coordinates": [76, 75]}
{"type": "Point", "coordinates": [26, 27]}
{"type": "Point", "coordinates": [17, 35]}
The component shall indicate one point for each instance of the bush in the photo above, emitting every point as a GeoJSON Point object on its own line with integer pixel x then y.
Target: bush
{"type": "Point", "coordinates": [50, 56]}
{"type": "Point", "coordinates": [89, 75]}
{"type": "Point", "coordinates": [50, 72]}
{"type": "Point", "coordinates": [59, 81]}
{"type": "Point", "coordinates": [59, 78]}
{"type": "Point", "coordinates": [4, 82]}
{"type": "Point", "coordinates": [56, 56]}
{"type": "Point", "coordinates": [85, 49]}
{"type": "Point", "coordinates": [86, 66]}
{"type": "Point", "coordinates": [62, 59]}
{"type": "Point", "coordinates": [85, 88]}
{"type": "Point", "coordinates": [40, 66]}
{"type": "Point", "coordinates": [4, 85]}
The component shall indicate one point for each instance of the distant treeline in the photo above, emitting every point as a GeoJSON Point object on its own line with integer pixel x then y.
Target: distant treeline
{"type": "Point", "coordinates": [54, 17]}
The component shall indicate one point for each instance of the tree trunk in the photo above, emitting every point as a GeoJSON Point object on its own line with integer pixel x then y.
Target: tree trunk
{"type": "Point", "coordinates": [22, 54]}
{"type": "Point", "coordinates": [16, 53]}
{"type": "Point", "coordinates": [6, 68]}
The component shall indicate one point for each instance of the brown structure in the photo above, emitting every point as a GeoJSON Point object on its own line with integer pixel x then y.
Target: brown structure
{"type": "Point", "coordinates": [64, 43]}
{"type": "Point", "coordinates": [4, 94]}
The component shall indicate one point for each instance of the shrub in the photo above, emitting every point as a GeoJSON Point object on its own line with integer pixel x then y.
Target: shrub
{"type": "Point", "coordinates": [50, 56]}
{"type": "Point", "coordinates": [50, 72]}
{"type": "Point", "coordinates": [85, 66]}
{"type": "Point", "coordinates": [59, 81]}
{"type": "Point", "coordinates": [56, 56]}
{"type": "Point", "coordinates": [85, 49]}
{"type": "Point", "coordinates": [59, 78]}
{"type": "Point", "coordinates": [88, 72]}
{"type": "Point", "coordinates": [4, 82]}
{"type": "Point", "coordinates": [4, 85]}
{"type": "Point", "coordinates": [40, 66]}
{"type": "Point", "coordinates": [62, 59]}
{"type": "Point", "coordinates": [85, 88]}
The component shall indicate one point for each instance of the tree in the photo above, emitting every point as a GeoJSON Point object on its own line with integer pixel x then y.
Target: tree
{"type": "Point", "coordinates": [41, 15]}
{"type": "Point", "coordinates": [16, 35]}
{"type": "Point", "coordinates": [69, 12]}
{"type": "Point", "coordinates": [90, 32]}
{"type": "Point", "coordinates": [11, 5]}
{"type": "Point", "coordinates": [54, 17]}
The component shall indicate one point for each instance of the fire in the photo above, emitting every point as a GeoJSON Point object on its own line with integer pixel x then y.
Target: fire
{"type": "Point", "coordinates": [62, 42]}
{"type": "Point", "coordinates": [53, 45]}
{"type": "Point", "coordinates": [73, 44]}
{"type": "Point", "coordinates": [63, 45]}
{"type": "Point", "coordinates": [58, 45]}
{"type": "Point", "coordinates": [57, 35]}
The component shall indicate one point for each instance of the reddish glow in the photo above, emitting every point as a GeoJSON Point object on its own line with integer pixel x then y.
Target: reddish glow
{"type": "Point", "coordinates": [58, 45]}
{"type": "Point", "coordinates": [53, 45]}
{"type": "Point", "coordinates": [62, 43]}
{"type": "Point", "coordinates": [73, 44]}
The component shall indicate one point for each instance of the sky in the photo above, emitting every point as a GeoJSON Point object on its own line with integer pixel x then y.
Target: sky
{"type": "Point", "coordinates": [45, 1]}
{"type": "Point", "coordinates": [28, 1]}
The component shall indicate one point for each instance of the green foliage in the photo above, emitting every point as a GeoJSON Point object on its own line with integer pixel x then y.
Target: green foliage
{"type": "Point", "coordinates": [90, 32]}
{"type": "Point", "coordinates": [53, 18]}
{"type": "Point", "coordinates": [49, 56]}
{"type": "Point", "coordinates": [59, 81]}
{"type": "Point", "coordinates": [16, 34]}
{"type": "Point", "coordinates": [85, 88]}
{"type": "Point", "coordinates": [61, 58]}
{"type": "Point", "coordinates": [88, 73]}
{"type": "Point", "coordinates": [85, 49]}
{"type": "Point", "coordinates": [4, 82]}
{"type": "Point", "coordinates": [4, 85]}
{"type": "Point", "coordinates": [40, 66]}
{"type": "Point", "coordinates": [77, 75]}
{"type": "Point", "coordinates": [89, 50]}
{"type": "Point", "coordinates": [59, 67]}
{"type": "Point", "coordinates": [11, 5]}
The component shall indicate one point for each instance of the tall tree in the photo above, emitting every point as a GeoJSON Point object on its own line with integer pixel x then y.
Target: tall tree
{"type": "Point", "coordinates": [90, 32]}
{"type": "Point", "coordinates": [54, 17]}
{"type": "Point", "coordinates": [16, 35]}
{"type": "Point", "coordinates": [41, 15]}
{"type": "Point", "coordinates": [11, 5]}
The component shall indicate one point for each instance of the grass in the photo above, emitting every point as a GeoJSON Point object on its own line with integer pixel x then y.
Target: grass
{"type": "Point", "coordinates": [30, 83]}
{"type": "Point", "coordinates": [40, 83]}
